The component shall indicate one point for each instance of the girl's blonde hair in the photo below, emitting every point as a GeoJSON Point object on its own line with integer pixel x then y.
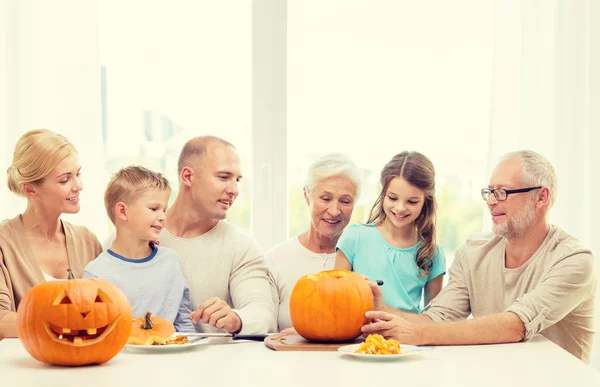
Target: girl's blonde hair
{"type": "Point", "coordinates": [418, 171]}
{"type": "Point", "coordinates": [36, 154]}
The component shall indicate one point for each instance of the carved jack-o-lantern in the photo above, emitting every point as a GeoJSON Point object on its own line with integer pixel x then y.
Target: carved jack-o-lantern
{"type": "Point", "coordinates": [74, 322]}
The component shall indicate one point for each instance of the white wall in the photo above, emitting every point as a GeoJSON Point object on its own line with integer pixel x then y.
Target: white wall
{"type": "Point", "coordinates": [52, 80]}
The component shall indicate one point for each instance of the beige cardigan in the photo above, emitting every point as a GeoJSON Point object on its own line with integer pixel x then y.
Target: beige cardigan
{"type": "Point", "coordinates": [19, 270]}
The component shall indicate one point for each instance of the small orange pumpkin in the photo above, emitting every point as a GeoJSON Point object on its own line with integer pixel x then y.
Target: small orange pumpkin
{"type": "Point", "coordinates": [330, 305]}
{"type": "Point", "coordinates": [74, 322]}
{"type": "Point", "coordinates": [150, 330]}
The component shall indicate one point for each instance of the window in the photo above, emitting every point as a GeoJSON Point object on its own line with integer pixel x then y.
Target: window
{"type": "Point", "coordinates": [166, 78]}
{"type": "Point", "coordinates": [373, 78]}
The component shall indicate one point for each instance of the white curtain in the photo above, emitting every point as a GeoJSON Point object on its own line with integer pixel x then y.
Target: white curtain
{"type": "Point", "coordinates": [545, 93]}
{"type": "Point", "coordinates": [50, 78]}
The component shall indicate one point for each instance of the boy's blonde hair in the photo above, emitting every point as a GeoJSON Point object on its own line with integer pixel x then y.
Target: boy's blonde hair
{"type": "Point", "coordinates": [129, 183]}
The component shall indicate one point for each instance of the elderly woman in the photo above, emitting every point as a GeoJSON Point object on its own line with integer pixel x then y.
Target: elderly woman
{"type": "Point", "coordinates": [331, 190]}
{"type": "Point", "coordinates": [38, 246]}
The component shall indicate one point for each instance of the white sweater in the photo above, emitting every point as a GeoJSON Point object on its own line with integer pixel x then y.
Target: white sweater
{"type": "Point", "coordinates": [287, 262]}
{"type": "Point", "coordinates": [228, 264]}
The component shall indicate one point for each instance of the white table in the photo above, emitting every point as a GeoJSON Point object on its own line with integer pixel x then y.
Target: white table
{"type": "Point", "coordinates": [228, 363]}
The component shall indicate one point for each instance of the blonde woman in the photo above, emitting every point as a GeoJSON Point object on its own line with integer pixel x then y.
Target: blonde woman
{"type": "Point", "coordinates": [38, 246]}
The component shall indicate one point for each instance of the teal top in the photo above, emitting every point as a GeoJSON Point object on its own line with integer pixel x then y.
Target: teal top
{"type": "Point", "coordinates": [370, 254]}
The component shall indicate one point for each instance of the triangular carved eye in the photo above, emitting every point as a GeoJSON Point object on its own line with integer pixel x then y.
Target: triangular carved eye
{"type": "Point", "coordinates": [62, 298]}
{"type": "Point", "coordinates": [102, 297]}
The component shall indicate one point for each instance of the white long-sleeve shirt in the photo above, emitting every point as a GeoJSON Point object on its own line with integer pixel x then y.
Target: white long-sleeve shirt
{"type": "Point", "coordinates": [287, 262]}
{"type": "Point", "coordinates": [228, 264]}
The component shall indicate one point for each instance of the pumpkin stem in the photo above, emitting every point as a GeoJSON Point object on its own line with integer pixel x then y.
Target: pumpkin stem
{"type": "Point", "coordinates": [147, 324]}
{"type": "Point", "coordinates": [71, 276]}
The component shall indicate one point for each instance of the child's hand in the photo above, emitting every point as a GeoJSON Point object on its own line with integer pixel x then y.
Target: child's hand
{"type": "Point", "coordinates": [217, 313]}
{"type": "Point", "coordinates": [378, 303]}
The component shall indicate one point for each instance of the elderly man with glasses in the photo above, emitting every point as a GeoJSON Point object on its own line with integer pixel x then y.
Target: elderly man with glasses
{"type": "Point", "coordinates": [525, 278]}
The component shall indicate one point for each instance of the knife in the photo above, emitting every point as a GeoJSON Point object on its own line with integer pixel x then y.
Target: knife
{"type": "Point", "coordinates": [233, 336]}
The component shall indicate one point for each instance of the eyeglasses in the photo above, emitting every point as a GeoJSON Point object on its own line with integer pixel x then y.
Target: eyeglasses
{"type": "Point", "coordinates": [501, 194]}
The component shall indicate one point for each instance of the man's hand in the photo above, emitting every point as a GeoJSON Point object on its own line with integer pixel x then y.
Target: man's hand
{"type": "Point", "coordinates": [217, 313]}
{"type": "Point", "coordinates": [392, 326]}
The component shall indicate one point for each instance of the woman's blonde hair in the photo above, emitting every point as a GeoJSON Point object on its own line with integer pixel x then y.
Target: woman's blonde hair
{"type": "Point", "coordinates": [36, 154]}
{"type": "Point", "coordinates": [418, 171]}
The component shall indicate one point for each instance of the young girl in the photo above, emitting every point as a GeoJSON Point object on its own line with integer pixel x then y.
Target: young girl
{"type": "Point", "coordinates": [397, 245]}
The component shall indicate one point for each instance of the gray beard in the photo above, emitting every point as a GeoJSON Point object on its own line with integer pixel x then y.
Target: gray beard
{"type": "Point", "coordinates": [517, 227]}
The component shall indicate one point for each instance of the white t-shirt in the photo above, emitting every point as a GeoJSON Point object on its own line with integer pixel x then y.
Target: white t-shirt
{"type": "Point", "coordinates": [287, 262]}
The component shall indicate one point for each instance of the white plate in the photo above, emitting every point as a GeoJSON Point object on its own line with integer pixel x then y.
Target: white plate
{"type": "Point", "coordinates": [407, 350]}
{"type": "Point", "coordinates": [168, 347]}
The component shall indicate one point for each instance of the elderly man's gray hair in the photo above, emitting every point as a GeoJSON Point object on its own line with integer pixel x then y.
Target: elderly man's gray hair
{"type": "Point", "coordinates": [536, 171]}
{"type": "Point", "coordinates": [330, 165]}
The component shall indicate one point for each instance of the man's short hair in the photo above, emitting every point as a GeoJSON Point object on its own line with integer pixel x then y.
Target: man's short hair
{"type": "Point", "coordinates": [194, 149]}
{"type": "Point", "coordinates": [536, 171]}
{"type": "Point", "coordinates": [129, 184]}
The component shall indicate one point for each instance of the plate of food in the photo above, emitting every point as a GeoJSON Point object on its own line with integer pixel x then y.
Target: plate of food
{"type": "Point", "coordinates": [177, 342]}
{"type": "Point", "coordinates": [155, 334]}
{"type": "Point", "coordinates": [375, 347]}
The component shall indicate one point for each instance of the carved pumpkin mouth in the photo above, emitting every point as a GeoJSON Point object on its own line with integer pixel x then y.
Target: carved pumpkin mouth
{"type": "Point", "coordinates": [79, 337]}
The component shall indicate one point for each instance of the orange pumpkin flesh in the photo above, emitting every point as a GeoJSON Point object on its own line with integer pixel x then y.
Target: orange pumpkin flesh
{"type": "Point", "coordinates": [330, 306]}
{"type": "Point", "coordinates": [74, 322]}
{"type": "Point", "coordinates": [150, 330]}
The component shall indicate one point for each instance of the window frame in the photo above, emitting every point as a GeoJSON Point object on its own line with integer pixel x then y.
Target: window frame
{"type": "Point", "coordinates": [269, 211]}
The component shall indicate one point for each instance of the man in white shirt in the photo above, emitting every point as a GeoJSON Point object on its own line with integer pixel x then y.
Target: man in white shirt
{"type": "Point", "coordinates": [223, 267]}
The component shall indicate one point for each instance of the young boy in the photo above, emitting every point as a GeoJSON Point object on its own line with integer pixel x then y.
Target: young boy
{"type": "Point", "coordinates": [150, 275]}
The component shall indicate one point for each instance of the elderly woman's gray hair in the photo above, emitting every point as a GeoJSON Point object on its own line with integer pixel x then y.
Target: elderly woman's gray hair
{"type": "Point", "coordinates": [536, 171]}
{"type": "Point", "coordinates": [331, 165]}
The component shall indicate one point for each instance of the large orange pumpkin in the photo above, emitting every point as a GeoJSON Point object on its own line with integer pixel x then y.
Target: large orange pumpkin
{"type": "Point", "coordinates": [330, 305]}
{"type": "Point", "coordinates": [150, 330]}
{"type": "Point", "coordinates": [74, 322]}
